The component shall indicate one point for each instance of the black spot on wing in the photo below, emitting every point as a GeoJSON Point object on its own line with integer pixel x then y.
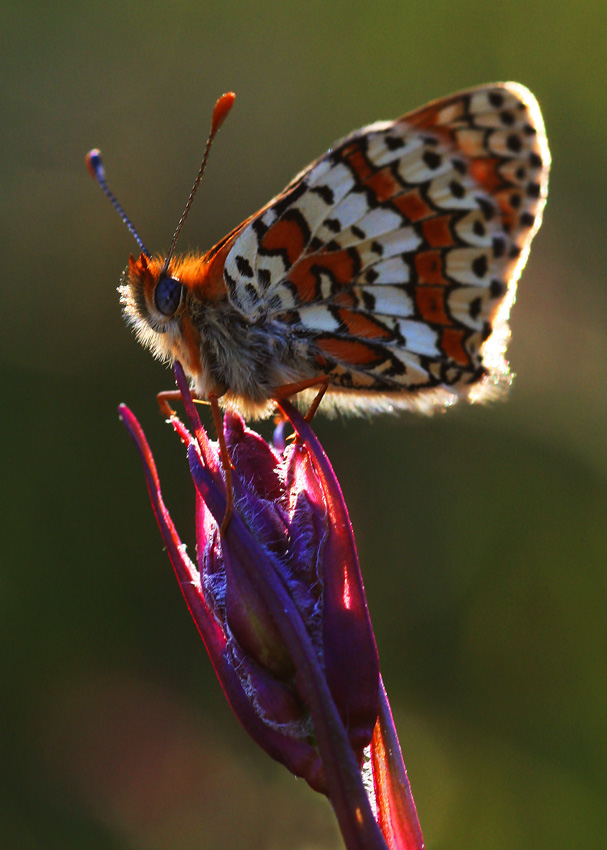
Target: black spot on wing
{"type": "Point", "coordinates": [456, 189]}
{"type": "Point", "coordinates": [527, 219]}
{"type": "Point", "coordinates": [514, 143]}
{"type": "Point", "coordinates": [244, 266]}
{"type": "Point", "coordinates": [394, 143]}
{"type": "Point", "coordinates": [487, 207]}
{"type": "Point", "coordinates": [432, 159]}
{"type": "Point", "coordinates": [515, 201]}
{"type": "Point", "coordinates": [324, 192]}
{"type": "Point", "coordinates": [368, 301]}
{"type": "Point", "coordinates": [475, 307]}
{"type": "Point", "coordinates": [498, 288]}
{"type": "Point", "coordinates": [479, 265]}
{"type": "Point", "coordinates": [499, 246]}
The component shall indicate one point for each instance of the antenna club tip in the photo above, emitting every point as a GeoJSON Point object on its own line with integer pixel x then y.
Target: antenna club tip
{"type": "Point", "coordinates": [94, 164]}
{"type": "Point", "coordinates": [222, 108]}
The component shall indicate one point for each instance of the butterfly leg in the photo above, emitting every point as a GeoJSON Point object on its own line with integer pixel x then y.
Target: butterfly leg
{"type": "Point", "coordinates": [287, 390]}
{"type": "Point", "coordinates": [316, 401]}
{"type": "Point", "coordinates": [164, 398]}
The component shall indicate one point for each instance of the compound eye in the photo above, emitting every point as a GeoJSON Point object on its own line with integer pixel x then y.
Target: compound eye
{"type": "Point", "coordinates": [168, 295]}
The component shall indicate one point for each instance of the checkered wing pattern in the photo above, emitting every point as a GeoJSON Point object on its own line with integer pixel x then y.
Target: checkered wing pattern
{"type": "Point", "coordinates": [394, 257]}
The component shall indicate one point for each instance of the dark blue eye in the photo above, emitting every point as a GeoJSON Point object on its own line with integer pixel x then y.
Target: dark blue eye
{"type": "Point", "coordinates": [168, 295]}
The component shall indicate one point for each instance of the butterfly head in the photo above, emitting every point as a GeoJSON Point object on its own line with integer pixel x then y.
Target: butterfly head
{"type": "Point", "coordinates": [166, 305]}
{"type": "Point", "coordinates": [151, 294]}
{"type": "Point", "coordinates": [154, 303]}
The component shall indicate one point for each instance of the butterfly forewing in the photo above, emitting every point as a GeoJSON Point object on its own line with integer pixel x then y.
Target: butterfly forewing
{"type": "Point", "coordinates": [394, 258]}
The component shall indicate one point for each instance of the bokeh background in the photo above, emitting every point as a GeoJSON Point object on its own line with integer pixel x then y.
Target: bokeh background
{"type": "Point", "coordinates": [482, 533]}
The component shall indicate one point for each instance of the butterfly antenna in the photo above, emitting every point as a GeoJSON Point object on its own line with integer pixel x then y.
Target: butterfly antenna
{"type": "Point", "coordinates": [94, 163]}
{"type": "Point", "coordinates": [220, 113]}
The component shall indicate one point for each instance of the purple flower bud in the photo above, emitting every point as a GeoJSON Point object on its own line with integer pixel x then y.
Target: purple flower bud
{"type": "Point", "coordinates": [279, 602]}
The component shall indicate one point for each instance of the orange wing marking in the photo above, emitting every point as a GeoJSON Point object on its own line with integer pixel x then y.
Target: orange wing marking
{"type": "Point", "coordinates": [413, 206]}
{"type": "Point", "coordinates": [355, 353]}
{"type": "Point", "coordinates": [452, 344]}
{"type": "Point", "coordinates": [384, 185]}
{"type": "Point", "coordinates": [429, 268]}
{"type": "Point", "coordinates": [437, 233]}
{"type": "Point", "coordinates": [485, 172]}
{"type": "Point", "coordinates": [285, 235]}
{"type": "Point", "coordinates": [357, 162]}
{"type": "Point", "coordinates": [430, 302]}
{"type": "Point", "coordinates": [340, 265]}
{"type": "Point", "coordinates": [359, 325]}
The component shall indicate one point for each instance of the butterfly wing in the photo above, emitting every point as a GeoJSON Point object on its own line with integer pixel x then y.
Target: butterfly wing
{"type": "Point", "coordinates": [395, 256]}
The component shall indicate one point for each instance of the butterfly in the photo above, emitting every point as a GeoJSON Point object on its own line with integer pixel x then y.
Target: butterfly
{"type": "Point", "coordinates": [384, 271]}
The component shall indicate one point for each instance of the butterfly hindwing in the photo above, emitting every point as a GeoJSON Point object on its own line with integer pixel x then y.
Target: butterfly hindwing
{"type": "Point", "coordinates": [396, 254]}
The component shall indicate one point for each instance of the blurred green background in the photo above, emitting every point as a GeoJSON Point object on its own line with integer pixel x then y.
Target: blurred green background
{"type": "Point", "coordinates": [482, 533]}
